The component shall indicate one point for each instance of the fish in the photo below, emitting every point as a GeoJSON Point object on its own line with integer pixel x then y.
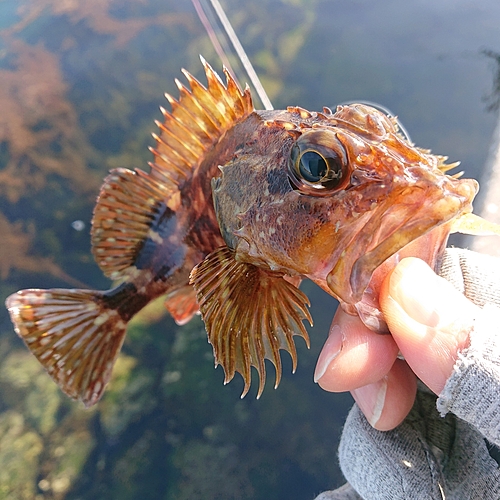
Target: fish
{"type": "Point", "coordinates": [238, 207]}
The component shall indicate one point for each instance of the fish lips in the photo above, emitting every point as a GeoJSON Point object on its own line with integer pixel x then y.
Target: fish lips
{"type": "Point", "coordinates": [407, 215]}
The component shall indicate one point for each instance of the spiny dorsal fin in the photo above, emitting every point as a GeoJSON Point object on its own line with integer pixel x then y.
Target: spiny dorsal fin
{"type": "Point", "coordinates": [197, 121]}
{"type": "Point", "coordinates": [128, 205]}
{"type": "Point", "coordinates": [73, 335]}
{"type": "Point", "coordinates": [249, 313]}
{"type": "Point", "coordinates": [130, 201]}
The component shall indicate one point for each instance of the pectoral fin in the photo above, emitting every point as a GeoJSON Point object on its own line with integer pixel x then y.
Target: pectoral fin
{"type": "Point", "coordinates": [249, 313]}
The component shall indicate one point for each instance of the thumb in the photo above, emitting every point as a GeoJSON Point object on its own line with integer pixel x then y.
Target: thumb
{"type": "Point", "coordinates": [428, 318]}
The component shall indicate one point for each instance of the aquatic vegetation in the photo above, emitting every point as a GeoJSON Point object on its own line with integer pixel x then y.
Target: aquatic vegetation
{"type": "Point", "coordinates": [65, 454]}
{"type": "Point", "coordinates": [23, 387]}
{"type": "Point", "coordinates": [39, 133]}
{"type": "Point", "coordinates": [16, 253]}
{"type": "Point", "coordinates": [131, 396]}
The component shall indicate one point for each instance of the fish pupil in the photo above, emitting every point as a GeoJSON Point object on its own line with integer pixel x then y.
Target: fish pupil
{"type": "Point", "coordinates": [317, 168]}
{"type": "Point", "coordinates": [312, 166]}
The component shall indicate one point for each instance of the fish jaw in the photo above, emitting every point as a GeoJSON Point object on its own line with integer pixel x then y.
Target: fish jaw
{"type": "Point", "coordinates": [428, 247]}
{"type": "Point", "coordinates": [415, 221]}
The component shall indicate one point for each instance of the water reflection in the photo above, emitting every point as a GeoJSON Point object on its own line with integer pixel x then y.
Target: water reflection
{"type": "Point", "coordinates": [78, 225]}
{"type": "Point", "coordinates": [80, 86]}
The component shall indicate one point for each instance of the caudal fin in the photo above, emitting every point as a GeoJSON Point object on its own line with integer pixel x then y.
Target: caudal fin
{"type": "Point", "coordinates": [73, 334]}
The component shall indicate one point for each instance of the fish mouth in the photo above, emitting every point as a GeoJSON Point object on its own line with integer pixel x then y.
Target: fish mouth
{"type": "Point", "coordinates": [428, 247]}
{"type": "Point", "coordinates": [416, 222]}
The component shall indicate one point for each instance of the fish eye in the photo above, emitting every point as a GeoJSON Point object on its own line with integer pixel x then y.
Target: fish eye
{"type": "Point", "coordinates": [312, 166]}
{"type": "Point", "coordinates": [315, 167]}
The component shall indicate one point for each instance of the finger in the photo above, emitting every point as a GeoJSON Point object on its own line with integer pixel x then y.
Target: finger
{"type": "Point", "coordinates": [386, 402]}
{"type": "Point", "coordinates": [428, 318]}
{"type": "Point", "coordinates": [353, 355]}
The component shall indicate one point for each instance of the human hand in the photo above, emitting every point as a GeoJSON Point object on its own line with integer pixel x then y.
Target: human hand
{"type": "Point", "coordinates": [430, 322]}
{"type": "Point", "coordinates": [444, 446]}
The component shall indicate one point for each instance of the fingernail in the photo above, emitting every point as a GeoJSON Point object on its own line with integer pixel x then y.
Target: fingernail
{"type": "Point", "coordinates": [371, 399]}
{"type": "Point", "coordinates": [419, 291]}
{"type": "Point", "coordinates": [330, 351]}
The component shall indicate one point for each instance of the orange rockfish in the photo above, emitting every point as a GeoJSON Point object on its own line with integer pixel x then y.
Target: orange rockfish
{"type": "Point", "coordinates": [249, 203]}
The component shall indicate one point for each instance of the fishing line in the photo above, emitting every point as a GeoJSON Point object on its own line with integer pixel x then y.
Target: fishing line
{"type": "Point", "coordinates": [208, 25]}
{"type": "Point", "coordinates": [240, 51]}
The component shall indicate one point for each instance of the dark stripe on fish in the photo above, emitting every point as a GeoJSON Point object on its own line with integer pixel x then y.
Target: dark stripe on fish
{"type": "Point", "coordinates": [162, 225]}
{"type": "Point", "coordinates": [206, 235]}
{"type": "Point", "coordinates": [125, 299]}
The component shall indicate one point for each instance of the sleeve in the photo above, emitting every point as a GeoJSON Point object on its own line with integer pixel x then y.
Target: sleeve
{"type": "Point", "coordinates": [471, 393]}
{"type": "Point", "coordinates": [345, 492]}
{"type": "Point", "coordinates": [427, 457]}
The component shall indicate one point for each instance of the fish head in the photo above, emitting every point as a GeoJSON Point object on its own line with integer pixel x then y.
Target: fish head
{"type": "Point", "coordinates": [333, 197]}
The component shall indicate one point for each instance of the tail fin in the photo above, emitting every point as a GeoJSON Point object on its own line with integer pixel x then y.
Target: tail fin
{"type": "Point", "coordinates": [73, 334]}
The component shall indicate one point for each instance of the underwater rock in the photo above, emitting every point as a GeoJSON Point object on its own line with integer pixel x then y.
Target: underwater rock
{"type": "Point", "coordinates": [211, 472]}
{"type": "Point", "coordinates": [66, 453]}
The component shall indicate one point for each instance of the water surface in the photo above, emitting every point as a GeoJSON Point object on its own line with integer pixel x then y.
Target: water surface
{"type": "Point", "coordinates": [80, 86]}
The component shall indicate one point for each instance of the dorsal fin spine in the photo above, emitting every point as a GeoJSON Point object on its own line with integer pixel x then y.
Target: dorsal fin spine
{"type": "Point", "coordinates": [193, 112]}
{"type": "Point", "coordinates": [203, 135]}
{"type": "Point", "coordinates": [234, 90]}
{"type": "Point", "coordinates": [199, 93]}
{"type": "Point", "coordinates": [174, 147]}
{"type": "Point", "coordinates": [216, 95]}
{"type": "Point", "coordinates": [172, 159]}
{"type": "Point", "coordinates": [167, 177]}
{"type": "Point", "coordinates": [193, 145]}
{"type": "Point", "coordinates": [215, 85]}
{"type": "Point", "coordinates": [160, 173]}
{"type": "Point", "coordinates": [190, 120]}
{"type": "Point", "coordinates": [175, 127]}
{"type": "Point", "coordinates": [191, 96]}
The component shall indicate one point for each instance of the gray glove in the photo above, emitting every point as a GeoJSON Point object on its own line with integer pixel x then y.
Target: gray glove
{"type": "Point", "coordinates": [442, 449]}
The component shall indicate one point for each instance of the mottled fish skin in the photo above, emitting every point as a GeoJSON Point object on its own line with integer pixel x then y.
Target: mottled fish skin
{"type": "Point", "coordinates": [390, 191]}
{"type": "Point", "coordinates": [334, 197]}
{"type": "Point", "coordinates": [225, 222]}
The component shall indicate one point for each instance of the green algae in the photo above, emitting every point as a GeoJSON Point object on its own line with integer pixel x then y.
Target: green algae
{"type": "Point", "coordinates": [66, 452]}
{"type": "Point", "coordinates": [46, 440]}
{"type": "Point", "coordinates": [128, 397]}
